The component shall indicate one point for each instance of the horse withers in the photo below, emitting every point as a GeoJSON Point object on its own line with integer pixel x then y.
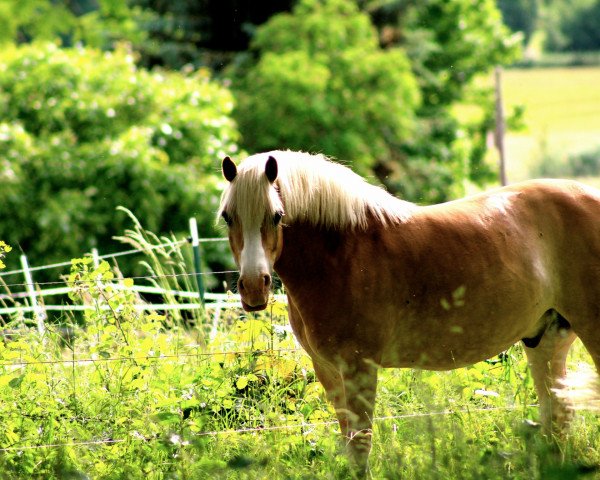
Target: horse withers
{"type": "Point", "coordinates": [373, 281]}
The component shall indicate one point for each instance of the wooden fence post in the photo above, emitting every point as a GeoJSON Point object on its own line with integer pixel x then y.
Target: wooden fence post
{"type": "Point", "coordinates": [197, 258]}
{"type": "Point", "coordinates": [500, 125]}
{"type": "Point", "coordinates": [38, 311]}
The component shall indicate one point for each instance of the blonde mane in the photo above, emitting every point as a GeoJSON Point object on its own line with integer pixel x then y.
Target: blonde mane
{"type": "Point", "coordinates": [309, 188]}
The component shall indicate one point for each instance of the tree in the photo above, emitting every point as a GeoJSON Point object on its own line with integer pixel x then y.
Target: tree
{"type": "Point", "coordinates": [572, 27]}
{"type": "Point", "coordinates": [449, 43]}
{"type": "Point", "coordinates": [520, 16]}
{"type": "Point", "coordinates": [322, 83]}
{"type": "Point", "coordinates": [97, 23]}
{"type": "Point", "coordinates": [207, 33]}
{"type": "Point", "coordinates": [74, 146]}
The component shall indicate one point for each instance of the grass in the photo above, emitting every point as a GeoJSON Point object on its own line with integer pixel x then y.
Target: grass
{"type": "Point", "coordinates": [137, 396]}
{"type": "Point", "coordinates": [562, 113]}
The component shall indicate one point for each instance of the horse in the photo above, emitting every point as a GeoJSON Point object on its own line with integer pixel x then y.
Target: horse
{"type": "Point", "coordinates": [373, 281]}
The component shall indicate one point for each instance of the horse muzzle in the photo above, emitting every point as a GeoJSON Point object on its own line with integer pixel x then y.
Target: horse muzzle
{"type": "Point", "coordinates": [254, 291]}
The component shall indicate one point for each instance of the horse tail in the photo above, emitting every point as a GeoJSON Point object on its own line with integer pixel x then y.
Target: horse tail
{"type": "Point", "coordinates": [580, 389]}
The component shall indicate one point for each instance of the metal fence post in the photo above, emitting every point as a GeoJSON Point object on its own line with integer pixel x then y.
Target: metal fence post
{"type": "Point", "coordinates": [37, 310]}
{"type": "Point", "coordinates": [95, 258]}
{"type": "Point", "coordinates": [197, 258]}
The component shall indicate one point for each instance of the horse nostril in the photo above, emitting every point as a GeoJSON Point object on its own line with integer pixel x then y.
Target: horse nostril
{"type": "Point", "coordinates": [267, 279]}
{"type": "Point", "coordinates": [240, 285]}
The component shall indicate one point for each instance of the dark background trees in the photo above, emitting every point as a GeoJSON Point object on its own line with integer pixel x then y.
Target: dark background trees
{"type": "Point", "coordinates": [374, 83]}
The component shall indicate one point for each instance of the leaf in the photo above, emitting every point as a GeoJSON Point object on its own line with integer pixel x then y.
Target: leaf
{"type": "Point", "coordinates": [241, 382]}
{"type": "Point", "coordinates": [166, 417]}
{"type": "Point", "coordinates": [16, 382]}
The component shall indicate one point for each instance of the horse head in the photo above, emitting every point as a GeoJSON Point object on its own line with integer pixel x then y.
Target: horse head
{"type": "Point", "coordinates": [252, 209]}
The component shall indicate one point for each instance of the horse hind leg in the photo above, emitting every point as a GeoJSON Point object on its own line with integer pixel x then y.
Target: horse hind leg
{"type": "Point", "coordinates": [547, 357]}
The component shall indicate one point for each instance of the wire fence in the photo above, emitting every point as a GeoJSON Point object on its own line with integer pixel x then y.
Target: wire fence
{"type": "Point", "coordinates": [216, 301]}
{"type": "Point", "coordinates": [35, 293]}
{"type": "Point", "coordinates": [262, 429]}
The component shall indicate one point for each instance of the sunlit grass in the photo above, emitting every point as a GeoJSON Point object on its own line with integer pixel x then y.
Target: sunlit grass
{"type": "Point", "coordinates": [562, 114]}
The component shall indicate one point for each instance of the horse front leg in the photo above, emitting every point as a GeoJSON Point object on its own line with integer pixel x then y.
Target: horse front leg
{"type": "Point", "coordinates": [352, 390]}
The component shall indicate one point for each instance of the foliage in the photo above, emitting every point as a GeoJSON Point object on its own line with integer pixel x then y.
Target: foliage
{"type": "Point", "coordinates": [169, 34]}
{"type": "Point", "coordinates": [133, 395]}
{"type": "Point", "coordinates": [209, 33]}
{"type": "Point", "coordinates": [74, 146]}
{"type": "Point", "coordinates": [322, 83]}
{"type": "Point", "coordinates": [357, 101]}
{"type": "Point", "coordinates": [520, 16]}
{"type": "Point", "coordinates": [449, 44]}
{"type": "Point", "coordinates": [4, 249]}
{"type": "Point", "coordinates": [97, 23]}
{"type": "Point", "coordinates": [572, 26]}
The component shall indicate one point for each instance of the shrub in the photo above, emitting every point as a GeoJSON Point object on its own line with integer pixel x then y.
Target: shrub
{"type": "Point", "coordinates": [322, 83]}
{"type": "Point", "coordinates": [83, 132]}
{"type": "Point", "coordinates": [4, 249]}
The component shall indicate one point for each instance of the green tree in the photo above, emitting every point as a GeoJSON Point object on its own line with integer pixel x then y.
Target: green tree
{"type": "Point", "coordinates": [449, 43]}
{"type": "Point", "coordinates": [97, 23]}
{"type": "Point", "coordinates": [520, 15]}
{"type": "Point", "coordinates": [572, 26]}
{"type": "Point", "coordinates": [322, 83]}
{"type": "Point", "coordinates": [75, 145]}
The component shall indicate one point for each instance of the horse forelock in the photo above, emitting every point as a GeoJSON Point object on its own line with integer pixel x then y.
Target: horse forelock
{"type": "Point", "coordinates": [309, 188]}
{"type": "Point", "coordinates": [250, 196]}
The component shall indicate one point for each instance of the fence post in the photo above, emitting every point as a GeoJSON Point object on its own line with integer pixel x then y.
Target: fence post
{"type": "Point", "coordinates": [37, 310]}
{"type": "Point", "coordinates": [95, 258]}
{"type": "Point", "coordinates": [197, 258]}
{"type": "Point", "coordinates": [500, 126]}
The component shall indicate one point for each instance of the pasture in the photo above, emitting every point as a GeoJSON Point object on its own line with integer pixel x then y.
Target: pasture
{"type": "Point", "coordinates": [562, 114]}
{"type": "Point", "coordinates": [133, 396]}
{"type": "Point", "coordinates": [140, 395]}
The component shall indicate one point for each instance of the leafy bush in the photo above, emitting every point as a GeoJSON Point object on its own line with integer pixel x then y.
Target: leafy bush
{"type": "Point", "coordinates": [322, 83]}
{"type": "Point", "coordinates": [82, 132]}
{"type": "Point", "coordinates": [450, 43]}
{"type": "Point", "coordinates": [4, 249]}
{"type": "Point", "coordinates": [572, 27]}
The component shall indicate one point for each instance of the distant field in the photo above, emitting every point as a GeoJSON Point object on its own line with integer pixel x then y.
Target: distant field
{"type": "Point", "coordinates": [562, 111]}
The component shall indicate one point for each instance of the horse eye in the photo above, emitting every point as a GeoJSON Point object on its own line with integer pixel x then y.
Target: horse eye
{"type": "Point", "coordinates": [227, 218]}
{"type": "Point", "coordinates": [277, 218]}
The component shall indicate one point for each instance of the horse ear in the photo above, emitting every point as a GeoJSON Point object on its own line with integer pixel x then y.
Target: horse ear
{"type": "Point", "coordinates": [229, 169]}
{"type": "Point", "coordinates": [271, 169]}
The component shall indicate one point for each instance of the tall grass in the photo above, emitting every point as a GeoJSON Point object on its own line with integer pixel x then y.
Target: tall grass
{"type": "Point", "coordinates": [135, 395]}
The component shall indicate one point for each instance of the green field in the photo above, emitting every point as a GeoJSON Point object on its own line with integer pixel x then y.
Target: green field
{"type": "Point", "coordinates": [139, 396]}
{"type": "Point", "coordinates": [562, 111]}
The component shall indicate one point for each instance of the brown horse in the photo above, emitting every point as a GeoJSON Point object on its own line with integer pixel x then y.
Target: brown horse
{"type": "Point", "coordinates": [373, 281]}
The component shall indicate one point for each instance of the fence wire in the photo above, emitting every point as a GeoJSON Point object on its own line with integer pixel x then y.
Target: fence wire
{"type": "Point", "coordinates": [175, 439]}
{"type": "Point", "coordinates": [139, 277]}
{"type": "Point", "coordinates": [72, 361]}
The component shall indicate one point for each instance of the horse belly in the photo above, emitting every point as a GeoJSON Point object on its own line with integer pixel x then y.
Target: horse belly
{"type": "Point", "coordinates": [457, 337]}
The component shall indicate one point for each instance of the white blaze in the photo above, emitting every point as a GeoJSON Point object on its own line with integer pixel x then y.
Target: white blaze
{"type": "Point", "coordinates": [253, 260]}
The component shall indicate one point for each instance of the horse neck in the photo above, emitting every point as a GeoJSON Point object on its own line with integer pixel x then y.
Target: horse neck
{"type": "Point", "coordinates": [309, 252]}
{"type": "Point", "coordinates": [312, 256]}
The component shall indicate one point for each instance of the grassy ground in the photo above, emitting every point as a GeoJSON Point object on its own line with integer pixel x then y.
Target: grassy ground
{"type": "Point", "coordinates": [136, 396]}
{"type": "Point", "coordinates": [562, 113]}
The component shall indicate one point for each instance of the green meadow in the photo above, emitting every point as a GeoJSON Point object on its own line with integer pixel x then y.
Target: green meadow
{"type": "Point", "coordinates": [562, 114]}
{"type": "Point", "coordinates": [139, 395]}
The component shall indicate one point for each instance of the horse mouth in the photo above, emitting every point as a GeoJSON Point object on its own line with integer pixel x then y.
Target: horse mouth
{"type": "Point", "coordinates": [253, 308]}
